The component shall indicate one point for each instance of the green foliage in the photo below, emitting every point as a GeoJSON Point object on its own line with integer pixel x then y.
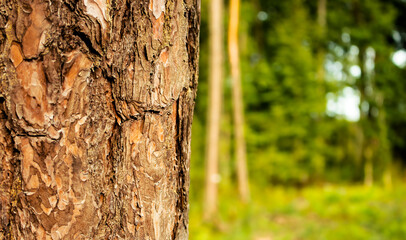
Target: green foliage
{"type": "Point", "coordinates": [319, 213]}
{"type": "Point", "coordinates": [282, 117]}
{"type": "Point", "coordinates": [290, 138]}
{"type": "Point", "coordinates": [293, 140]}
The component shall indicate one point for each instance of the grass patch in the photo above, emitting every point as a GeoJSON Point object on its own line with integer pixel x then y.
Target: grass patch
{"type": "Point", "coordinates": [328, 212]}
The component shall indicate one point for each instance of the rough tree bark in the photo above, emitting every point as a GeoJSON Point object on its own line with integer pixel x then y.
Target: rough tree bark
{"type": "Point", "coordinates": [96, 105]}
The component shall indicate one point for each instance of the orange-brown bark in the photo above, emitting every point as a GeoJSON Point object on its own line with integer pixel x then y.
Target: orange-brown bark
{"type": "Point", "coordinates": [96, 104]}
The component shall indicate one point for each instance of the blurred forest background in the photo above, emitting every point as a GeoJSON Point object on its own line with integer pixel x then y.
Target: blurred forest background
{"type": "Point", "coordinates": [319, 124]}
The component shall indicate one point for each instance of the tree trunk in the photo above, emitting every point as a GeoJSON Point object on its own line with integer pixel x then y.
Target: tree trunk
{"type": "Point", "coordinates": [321, 13]}
{"type": "Point", "coordinates": [321, 52]}
{"type": "Point", "coordinates": [96, 105]}
{"type": "Point", "coordinates": [233, 51]}
{"type": "Point", "coordinates": [365, 120]}
{"type": "Point", "coordinates": [215, 103]}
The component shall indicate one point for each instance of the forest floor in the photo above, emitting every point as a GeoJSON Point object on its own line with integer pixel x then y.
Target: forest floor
{"type": "Point", "coordinates": [327, 212]}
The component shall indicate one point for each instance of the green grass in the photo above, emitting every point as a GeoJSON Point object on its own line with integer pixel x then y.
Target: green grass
{"type": "Point", "coordinates": [315, 213]}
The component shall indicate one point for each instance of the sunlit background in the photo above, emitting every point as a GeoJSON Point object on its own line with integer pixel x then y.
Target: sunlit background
{"type": "Point", "coordinates": [323, 86]}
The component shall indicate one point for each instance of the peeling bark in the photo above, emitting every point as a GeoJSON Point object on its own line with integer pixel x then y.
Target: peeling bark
{"type": "Point", "coordinates": [96, 105]}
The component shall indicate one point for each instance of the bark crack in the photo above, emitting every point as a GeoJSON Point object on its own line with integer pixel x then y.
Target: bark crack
{"type": "Point", "coordinates": [86, 40]}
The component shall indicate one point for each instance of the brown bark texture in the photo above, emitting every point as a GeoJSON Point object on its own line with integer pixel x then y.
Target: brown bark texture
{"type": "Point", "coordinates": [96, 105]}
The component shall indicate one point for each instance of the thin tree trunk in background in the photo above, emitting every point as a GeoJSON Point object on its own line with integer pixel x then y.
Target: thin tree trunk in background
{"type": "Point", "coordinates": [368, 173]}
{"type": "Point", "coordinates": [321, 21]}
{"type": "Point", "coordinates": [363, 84]}
{"type": "Point", "coordinates": [321, 12]}
{"type": "Point", "coordinates": [387, 177]}
{"type": "Point", "coordinates": [370, 143]}
{"type": "Point", "coordinates": [385, 144]}
{"type": "Point", "coordinates": [240, 151]}
{"type": "Point", "coordinates": [96, 105]}
{"type": "Point", "coordinates": [367, 149]}
{"type": "Point", "coordinates": [215, 104]}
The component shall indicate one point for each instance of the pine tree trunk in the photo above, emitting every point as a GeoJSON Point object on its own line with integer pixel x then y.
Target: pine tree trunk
{"type": "Point", "coordinates": [96, 105]}
{"type": "Point", "coordinates": [322, 13]}
{"type": "Point", "coordinates": [321, 52]}
{"type": "Point", "coordinates": [240, 150]}
{"type": "Point", "coordinates": [215, 103]}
